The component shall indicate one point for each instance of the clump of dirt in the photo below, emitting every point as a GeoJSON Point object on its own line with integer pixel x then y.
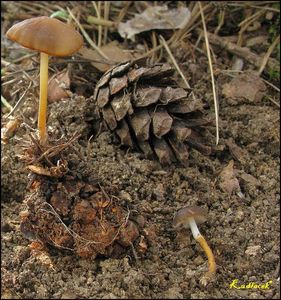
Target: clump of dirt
{"type": "Point", "coordinates": [77, 216]}
{"type": "Point", "coordinates": [14, 177]}
{"type": "Point", "coordinates": [64, 208]}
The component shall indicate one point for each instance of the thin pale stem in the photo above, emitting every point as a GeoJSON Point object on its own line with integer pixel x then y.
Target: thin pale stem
{"type": "Point", "coordinates": [42, 115]}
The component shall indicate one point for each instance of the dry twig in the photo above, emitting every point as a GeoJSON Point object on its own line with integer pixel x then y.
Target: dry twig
{"type": "Point", "coordinates": [243, 52]}
{"type": "Point", "coordinates": [20, 101]}
{"type": "Point", "coordinates": [56, 149]}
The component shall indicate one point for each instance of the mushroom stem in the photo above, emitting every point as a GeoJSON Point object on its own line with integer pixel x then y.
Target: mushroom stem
{"type": "Point", "coordinates": [42, 116]}
{"type": "Point", "coordinates": [194, 229]}
{"type": "Point", "coordinates": [201, 240]}
{"type": "Point", "coordinates": [211, 259]}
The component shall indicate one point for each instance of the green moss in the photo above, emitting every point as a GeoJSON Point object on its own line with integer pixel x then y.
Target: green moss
{"type": "Point", "coordinates": [274, 32]}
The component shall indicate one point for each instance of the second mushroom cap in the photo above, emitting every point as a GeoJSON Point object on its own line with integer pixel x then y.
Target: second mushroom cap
{"type": "Point", "coordinates": [182, 217]}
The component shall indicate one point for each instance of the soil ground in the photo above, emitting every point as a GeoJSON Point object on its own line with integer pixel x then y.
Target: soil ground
{"type": "Point", "coordinates": [243, 229]}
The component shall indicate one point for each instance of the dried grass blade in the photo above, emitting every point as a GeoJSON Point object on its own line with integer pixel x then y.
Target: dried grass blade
{"type": "Point", "coordinates": [85, 34]}
{"type": "Point", "coordinates": [268, 53]}
{"type": "Point", "coordinates": [173, 60]}
{"type": "Point", "coordinates": [211, 72]}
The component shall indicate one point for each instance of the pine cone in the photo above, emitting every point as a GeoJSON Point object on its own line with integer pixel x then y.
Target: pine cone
{"type": "Point", "coordinates": [148, 111]}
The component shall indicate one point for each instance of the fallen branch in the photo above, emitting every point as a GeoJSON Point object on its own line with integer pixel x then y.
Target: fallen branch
{"type": "Point", "coordinates": [243, 52]}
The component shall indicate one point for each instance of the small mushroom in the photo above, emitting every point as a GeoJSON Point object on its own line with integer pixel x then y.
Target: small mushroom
{"type": "Point", "coordinates": [49, 37]}
{"type": "Point", "coordinates": [188, 217]}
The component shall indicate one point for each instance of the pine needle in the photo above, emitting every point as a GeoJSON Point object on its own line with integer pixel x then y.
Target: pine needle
{"type": "Point", "coordinates": [174, 60]}
{"type": "Point", "coordinates": [98, 13]}
{"type": "Point", "coordinates": [211, 72]}
{"type": "Point", "coordinates": [6, 103]}
{"type": "Point", "coordinates": [106, 17]}
{"type": "Point", "coordinates": [85, 34]}
{"type": "Point", "coordinates": [268, 53]}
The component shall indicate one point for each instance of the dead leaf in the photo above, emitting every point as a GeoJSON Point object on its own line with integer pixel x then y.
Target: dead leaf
{"type": "Point", "coordinates": [248, 178]}
{"type": "Point", "coordinates": [228, 181]}
{"type": "Point", "coordinates": [56, 171]}
{"type": "Point", "coordinates": [253, 250]}
{"type": "Point", "coordinates": [142, 246]}
{"type": "Point", "coordinates": [9, 129]}
{"type": "Point", "coordinates": [238, 153]}
{"type": "Point", "coordinates": [58, 87]}
{"type": "Point", "coordinates": [39, 170]}
{"type": "Point", "coordinates": [155, 17]}
{"type": "Point", "coordinates": [37, 245]}
{"type": "Point", "coordinates": [244, 87]}
{"type": "Point", "coordinates": [113, 50]}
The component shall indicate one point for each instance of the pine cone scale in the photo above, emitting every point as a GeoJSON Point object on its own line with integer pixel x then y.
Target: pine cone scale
{"type": "Point", "coordinates": [119, 70]}
{"type": "Point", "coordinates": [117, 84]}
{"type": "Point", "coordinates": [163, 151]}
{"type": "Point", "coordinates": [123, 132]}
{"type": "Point", "coordinates": [162, 123]}
{"type": "Point", "coordinates": [109, 117]}
{"type": "Point", "coordinates": [170, 94]}
{"type": "Point", "coordinates": [103, 97]}
{"type": "Point", "coordinates": [147, 96]}
{"type": "Point", "coordinates": [135, 74]}
{"type": "Point", "coordinates": [140, 122]}
{"type": "Point", "coordinates": [121, 105]}
{"type": "Point", "coordinates": [180, 150]}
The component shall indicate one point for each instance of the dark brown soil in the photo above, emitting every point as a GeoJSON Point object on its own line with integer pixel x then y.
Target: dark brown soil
{"type": "Point", "coordinates": [243, 232]}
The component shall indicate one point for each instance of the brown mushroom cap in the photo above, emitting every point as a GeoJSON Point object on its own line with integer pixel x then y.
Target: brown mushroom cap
{"type": "Point", "coordinates": [181, 218]}
{"type": "Point", "coordinates": [47, 35]}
